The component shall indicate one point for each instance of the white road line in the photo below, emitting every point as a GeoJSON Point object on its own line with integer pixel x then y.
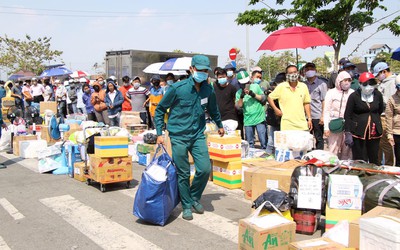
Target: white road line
{"type": "Point", "coordinates": [3, 245]}
{"type": "Point", "coordinates": [209, 221]}
{"type": "Point", "coordinates": [11, 209]}
{"type": "Point", "coordinates": [103, 231]}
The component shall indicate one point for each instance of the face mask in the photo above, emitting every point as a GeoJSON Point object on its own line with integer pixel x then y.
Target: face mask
{"type": "Point", "coordinates": [229, 73]}
{"type": "Point", "coordinates": [292, 77]}
{"type": "Point", "coordinates": [311, 73]}
{"type": "Point", "coordinates": [156, 84]}
{"type": "Point", "coordinates": [367, 90]}
{"type": "Point", "coordinates": [101, 82]}
{"type": "Point", "coordinates": [87, 91]}
{"type": "Point", "coordinates": [136, 85]}
{"type": "Point", "coordinates": [345, 85]}
{"type": "Point", "coordinates": [398, 86]}
{"type": "Point", "coordinates": [126, 84]}
{"type": "Point", "coordinates": [381, 77]}
{"type": "Point", "coordinates": [222, 81]}
{"type": "Point", "coordinates": [170, 82]}
{"type": "Point", "coordinates": [257, 80]}
{"type": "Point", "coordinates": [200, 76]}
{"type": "Point", "coordinates": [96, 88]}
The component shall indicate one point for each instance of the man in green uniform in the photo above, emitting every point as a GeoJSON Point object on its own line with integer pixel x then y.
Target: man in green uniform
{"type": "Point", "coordinates": [187, 101]}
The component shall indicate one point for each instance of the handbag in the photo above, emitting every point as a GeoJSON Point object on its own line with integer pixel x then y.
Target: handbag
{"type": "Point", "coordinates": [157, 194]}
{"type": "Point", "coordinates": [337, 125]}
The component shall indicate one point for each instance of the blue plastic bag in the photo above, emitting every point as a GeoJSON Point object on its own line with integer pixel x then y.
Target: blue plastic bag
{"type": "Point", "coordinates": [157, 194]}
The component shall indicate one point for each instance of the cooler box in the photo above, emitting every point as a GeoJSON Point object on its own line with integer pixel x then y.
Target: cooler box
{"type": "Point", "coordinates": [17, 139]}
{"type": "Point", "coordinates": [227, 174]}
{"type": "Point", "coordinates": [29, 149]}
{"type": "Point", "coordinates": [226, 149]}
{"type": "Point", "coordinates": [108, 170]}
{"type": "Point", "coordinates": [380, 233]}
{"type": "Point", "coordinates": [110, 146]}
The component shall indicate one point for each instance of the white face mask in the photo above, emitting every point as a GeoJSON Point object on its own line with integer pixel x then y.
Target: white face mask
{"type": "Point", "coordinates": [367, 90]}
{"type": "Point", "coordinates": [136, 85]}
{"type": "Point", "coordinates": [311, 73]}
{"type": "Point", "coordinates": [229, 73]}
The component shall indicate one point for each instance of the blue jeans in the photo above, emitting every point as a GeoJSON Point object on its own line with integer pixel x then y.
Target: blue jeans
{"type": "Point", "coordinates": [270, 144]}
{"type": "Point", "coordinates": [261, 131]}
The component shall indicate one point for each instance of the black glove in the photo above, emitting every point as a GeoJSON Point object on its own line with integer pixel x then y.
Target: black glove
{"type": "Point", "coordinates": [242, 94]}
{"type": "Point", "coordinates": [348, 139]}
{"type": "Point", "coordinates": [252, 94]}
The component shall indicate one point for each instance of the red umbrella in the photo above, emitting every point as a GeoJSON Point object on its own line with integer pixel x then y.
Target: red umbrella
{"type": "Point", "coordinates": [79, 74]}
{"type": "Point", "coordinates": [296, 37]}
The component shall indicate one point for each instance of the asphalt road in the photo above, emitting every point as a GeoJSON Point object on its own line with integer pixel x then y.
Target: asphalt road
{"type": "Point", "coordinates": [45, 211]}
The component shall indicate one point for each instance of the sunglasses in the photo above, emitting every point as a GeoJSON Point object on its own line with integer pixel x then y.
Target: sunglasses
{"type": "Point", "coordinates": [370, 82]}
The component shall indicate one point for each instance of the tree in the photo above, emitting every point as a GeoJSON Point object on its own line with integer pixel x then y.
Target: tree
{"type": "Point", "coordinates": [28, 55]}
{"type": "Point", "coordinates": [393, 64]}
{"type": "Point", "coordinates": [338, 18]}
{"type": "Point", "coordinates": [272, 65]}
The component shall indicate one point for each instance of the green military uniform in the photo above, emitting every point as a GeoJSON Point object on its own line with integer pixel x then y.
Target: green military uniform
{"type": "Point", "coordinates": [355, 84]}
{"type": "Point", "coordinates": [186, 125]}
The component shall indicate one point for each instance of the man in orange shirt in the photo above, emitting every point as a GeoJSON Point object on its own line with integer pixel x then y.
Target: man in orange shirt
{"type": "Point", "coordinates": [126, 105]}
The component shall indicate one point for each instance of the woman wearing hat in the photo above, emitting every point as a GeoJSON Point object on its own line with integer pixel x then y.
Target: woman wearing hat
{"type": "Point", "coordinates": [392, 114]}
{"type": "Point", "coordinates": [362, 120]}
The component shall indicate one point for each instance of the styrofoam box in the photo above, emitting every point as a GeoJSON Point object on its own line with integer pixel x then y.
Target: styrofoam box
{"type": "Point", "coordinates": [380, 233]}
{"type": "Point", "coordinates": [29, 149]}
{"type": "Point", "coordinates": [345, 186]}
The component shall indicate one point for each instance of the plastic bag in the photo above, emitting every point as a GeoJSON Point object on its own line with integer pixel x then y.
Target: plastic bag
{"type": "Point", "coordinates": [5, 138]}
{"type": "Point", "coordinates": [155, 200]}
{"type": "Point", "coordinates": [150, 138]}
{"type": "Point", "coordinates": [278, 198]}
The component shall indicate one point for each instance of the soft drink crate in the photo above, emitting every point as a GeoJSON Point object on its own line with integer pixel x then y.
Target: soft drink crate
{"type": "Point", "coordinates": [111, 146]}
{"type": "Point", "coordinates": [345, 186]}
{"type": "Point", "coordinates": [227, 174]}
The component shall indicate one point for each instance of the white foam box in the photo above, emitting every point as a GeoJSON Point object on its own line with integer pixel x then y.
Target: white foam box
{"type": "Point", "coordinates": [29, 149]}
{"type": "Point", "coordinates": [345, 186]}
{"type": "Point", "coordinates": [380, 233]}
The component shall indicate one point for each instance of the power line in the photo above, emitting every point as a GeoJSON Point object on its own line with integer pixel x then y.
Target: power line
{"type": "Point", "coordinates": [129, 14]}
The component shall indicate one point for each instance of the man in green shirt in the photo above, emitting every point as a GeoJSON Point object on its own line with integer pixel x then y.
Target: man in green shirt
{"type": "Point", "coordinates": [187, 101]}
{"type": "Point", "coordinates": [251, 99]}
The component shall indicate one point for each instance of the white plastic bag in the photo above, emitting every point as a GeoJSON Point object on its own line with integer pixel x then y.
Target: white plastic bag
{"type": "Point", "coordinates": [5, 139]}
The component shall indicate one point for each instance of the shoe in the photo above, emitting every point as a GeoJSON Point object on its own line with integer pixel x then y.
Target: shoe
{"type": "Point", "coordinates": [270, 157]}
{"type": "Point", "coordinates": [198, 208]}
{"type": "Point", "coordinates": [187, 214]}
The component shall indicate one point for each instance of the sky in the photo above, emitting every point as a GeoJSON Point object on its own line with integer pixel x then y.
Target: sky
{"type": "Point", "coordinates": [84, 30]}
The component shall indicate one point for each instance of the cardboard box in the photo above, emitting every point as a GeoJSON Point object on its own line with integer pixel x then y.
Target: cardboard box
{"type": "Point", "coordinates": [227, 174]}
{"type": "Point", "coordinates": [136, 129]}
{"type": "Point", "coordinates": [275, 238]}
{"type": "Point", "coordinates": [108, 170]}
{"type": "Point", "coordinates": [345, 186]}
{"type": "Point", "coordinates": [354, 232]}
{"type": "Point", "coordinates": [345, 203]}
{"type": "Point", "coordinates": [145, 148]}
{"type": "Point", "coordinates": [17, 139]}
{"type": "Point", "coordinates": [79, 171]}
{"type": "Point", "coordinates": [316, 244]}
{"type": "Point", "coordinates": [7, 102]}
{"type": "Point", "coordinates": [382, 232]}
{"type": "Point", "coordinates": [44, 135]}
{"type": "Point", "coordinates": [72, 129]}
{"type": "Point", "coordinates": [226, 149]}
{"type": "Point", "coordinates": [249, 166]}
{"type": "Point", "coordinates": [143, 159]}
{"type": "Point", "coordinates": [29, 149]}
{"type": "Point", "coordinates": [48, 106]}
{"type": "Point", "coordinates": [111, 146]}
{"type": "Point", "coordinates": [278, 176]}
{"type": "Point", "coordinates": [333, 216]}
{"type": "Point", "coordinates": [128, 118]}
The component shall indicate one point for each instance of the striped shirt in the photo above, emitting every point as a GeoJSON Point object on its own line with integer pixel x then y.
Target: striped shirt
{"type": "Point", "coordinates": [138, 97]}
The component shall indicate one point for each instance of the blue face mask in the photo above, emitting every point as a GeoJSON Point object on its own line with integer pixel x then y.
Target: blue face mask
{"type": "Point", "coordinates": [199, 76]}
{"type": "Point", "coordinates": [170, 82]}
{"type": "Point", "coordinates": [257, 80]}
{"type": "Point", "coordinates": [222, 81]}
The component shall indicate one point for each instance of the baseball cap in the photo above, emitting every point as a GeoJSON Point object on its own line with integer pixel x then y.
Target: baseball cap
{"type": "Point", "coordinates": [365, 77]}
{"type": "Point", "coordinates": [379, 67]}
{"type": "Point", "coordinates": [310, 65]}
{"type": "Point", "coordinates": [155, 78]}
{"type": "Point", "coordinates": [243, 77]}
{"type": "Point", "coordinates": [113, 78]}
{"type": "Point", "coordinates": [348, 64]}
{"type": "Point", "coordinates": [34, 79]}
{"type": "Point", "coordinates": [229, 66]}
{"type": "Point", "coordinates": [344, 60]}
{"type": "Point", "coordinates": [256, 68]}
{"type": "Point", "coordinates": [201, 62]}
{"type": "Point", "coordinates": [57, 81]}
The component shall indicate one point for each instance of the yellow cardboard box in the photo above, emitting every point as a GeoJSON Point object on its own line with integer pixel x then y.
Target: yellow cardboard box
{"type": "Point", "coordinates": [79, 171]}
{"type": "Point", "coordinates": [108, 170]}
{"type": "Point", "coordinates": [316, 244]}
{"type": "Point", "coordinates": [333, 216]}
{"type": "Point", "coordinates": [226, 149]}
{"type": "Point", "coordinates": [17, 139]}
{"type": "Point", "coordinates": [275, 238]}
{"type": "Point", "coordinates": [111, 146]}
{"type": "Point", "coordinates": [227, 174]}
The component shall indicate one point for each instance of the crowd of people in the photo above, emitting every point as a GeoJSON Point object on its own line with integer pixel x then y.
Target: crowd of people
{"type": "Point", "coordinates": [358, 114]}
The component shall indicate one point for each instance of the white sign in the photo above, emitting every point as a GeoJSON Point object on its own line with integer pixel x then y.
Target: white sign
{"type": "Point", "coordinates": [310, 192]}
